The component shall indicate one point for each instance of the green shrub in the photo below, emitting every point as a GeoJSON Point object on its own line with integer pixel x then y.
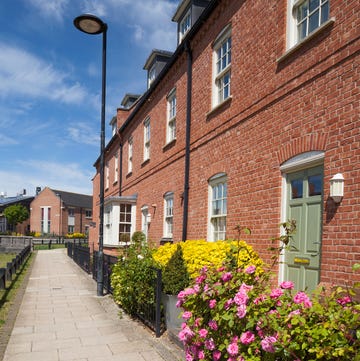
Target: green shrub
{"type": "Point", "coordinates": [175, 276]}
{"type": "Point", "coordinates": [132, 280]}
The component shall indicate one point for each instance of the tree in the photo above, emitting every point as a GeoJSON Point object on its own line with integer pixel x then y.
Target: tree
{"type": "Point", "coordinates": [16, 214]}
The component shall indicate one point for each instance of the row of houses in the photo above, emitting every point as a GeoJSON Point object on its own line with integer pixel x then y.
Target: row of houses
{"type": "Point", "coordinates": [253, 120]}
{"type": "Point", "coordinates": [52, 212]}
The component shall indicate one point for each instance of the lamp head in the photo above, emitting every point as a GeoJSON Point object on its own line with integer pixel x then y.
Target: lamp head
{"type": "Point", "coordinates": [90, 24]}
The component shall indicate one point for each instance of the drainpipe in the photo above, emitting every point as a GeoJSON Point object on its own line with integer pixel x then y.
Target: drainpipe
{"type": "Point", "coordinates": [120, 164]}
{"type": "Point", "coordinates": [187, 141]}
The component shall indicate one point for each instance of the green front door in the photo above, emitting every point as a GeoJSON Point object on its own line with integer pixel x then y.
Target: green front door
{"type": "Point", "coordinates": [304, 199]}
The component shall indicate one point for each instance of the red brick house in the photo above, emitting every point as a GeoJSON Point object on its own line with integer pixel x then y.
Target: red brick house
{"type": "Point", "coordinates": [246, 123]}
{"type": "Point", "coordinates": [58, 212]}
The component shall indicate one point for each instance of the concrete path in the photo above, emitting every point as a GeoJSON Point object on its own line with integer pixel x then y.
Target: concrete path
{"type": "Point", "coordinates": [62, 319]}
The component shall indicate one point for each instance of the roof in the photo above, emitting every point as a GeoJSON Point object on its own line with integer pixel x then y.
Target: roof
{"type": "Point", "coordinates": [16, 199]}
{"type": "Point", "coordinates": [157, 53]}
{"type": "Point", "coordinates": [74, 199]}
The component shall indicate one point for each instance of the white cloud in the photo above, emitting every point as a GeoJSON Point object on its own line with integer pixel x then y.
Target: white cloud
{"type": "Point", "coordinates": [54, 9]}
{"type": "Point", "coordinates": [36, 173]}
{"type": "Point", "coordinates": [83, 134]}
{"type": "Point", "coordinates": [22, 73]}
{"type": "Point", "coordinates": [5, 140]}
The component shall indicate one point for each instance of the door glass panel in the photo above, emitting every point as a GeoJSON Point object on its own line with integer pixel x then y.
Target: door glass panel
{"type": "Point", "coordinates": [315, 185]}
{"type": "Point", "coordinates": [297, 188]}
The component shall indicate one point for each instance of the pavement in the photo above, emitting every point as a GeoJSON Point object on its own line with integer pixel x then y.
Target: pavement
{"type": "Point", "coordinates": [61, 318]}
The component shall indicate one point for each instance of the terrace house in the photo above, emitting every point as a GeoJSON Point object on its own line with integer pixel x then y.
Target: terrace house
{"type": "Point", "coordinates": [247, 122]}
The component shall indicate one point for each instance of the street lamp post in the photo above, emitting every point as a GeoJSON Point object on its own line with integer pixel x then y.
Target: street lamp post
{"type": "Point", "coordinates": [93, 25]}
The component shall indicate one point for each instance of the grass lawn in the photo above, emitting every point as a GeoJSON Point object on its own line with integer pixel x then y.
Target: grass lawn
{"type": "Point", "coordinates": [5, 258]}
{"type": "Point", "coordinates": [39, 247]}
{"type": "Point", "coordinates": [7, 296]}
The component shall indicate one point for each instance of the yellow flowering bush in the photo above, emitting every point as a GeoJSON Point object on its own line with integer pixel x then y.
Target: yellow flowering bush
{"type": "Point", "coordinates": [200, 253]}
{"type": "Point", "coordinates": [75, 235]}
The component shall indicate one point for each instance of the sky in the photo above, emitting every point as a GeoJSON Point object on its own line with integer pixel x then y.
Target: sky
{"type": "Point", "coordinates": [50, 84]}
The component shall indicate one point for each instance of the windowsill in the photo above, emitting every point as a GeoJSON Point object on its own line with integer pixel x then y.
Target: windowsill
{"type": "Point", "coordinates": [164, 240]}
{"type": "Point", "coordinates": [169, 144]}
{"type": "Point", "coordinates": [300, 44]}
{"type": "Point", "coordinates": [146, 161]}
{"type": "Point", "coordinates": [129, 174]}
{"type": "Point", "coordinates": [219, 107]}
{"type": "Point", "coordinates": [115, 182]}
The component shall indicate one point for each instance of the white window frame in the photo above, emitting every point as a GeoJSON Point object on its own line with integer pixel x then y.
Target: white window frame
{"type": "Point", "coordinates": [130, 154]}
{"type": "Point", "coordinates": [222, 67]}
{"type": "Point", "coordinates": [171, 117]}
{"type": "Point", "coordinates": [217, 207]}
{"type": "Point", "coordinates": [113, 128]}
{"type": "Point", "coordinates": [147, 136]}
{"type": "Point", "coordinates": [112, 221]}
{"type": "Point", "coordinates": [184, 26]}
{"type": "Point", "coordinates": [116, 167]}
{"type": "Point", "coordinates": [145, 220]}
{"type": "Point", "coordinates": [107, 173]}
{"type": "Point", "coordinates": [151, 75]}
{"type": "Point", "coordinates": [168, 215]}
{"type": "Point", "coordinates": [294, 36]}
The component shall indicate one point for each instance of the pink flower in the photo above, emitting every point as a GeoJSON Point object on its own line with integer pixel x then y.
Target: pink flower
{"type": "Point", "coordinates": [247, 337]}
{"type": "Point", "coordinates": [210, 344]}
{"type": "Point", "coordinates": [287, 285]}
{"type": "Point", "coordinates": [227, 276]}
{"type": "Point", "coordinates": [344, 300]}
{"type": "Point", "coordinates": [241, 298]}
{"type": "Point", "coordinates": [216, 355]}
{"type": "Point", "coordinates": [276, 293]}
{"type": "Point", "coordinates": [267, 344]}
{"type": "Point", "coordinates": [228, 303]}
{"type": "Point", "coordinates": [189, 356]}
{"type": "Point", "coordinates": [302, 297]}
{"type": "Point", "coordinates": [259, 299]}
{"type": "Point", "coordinates": [232, 349]}
{"type": "Point", "coordinates": [186, 315]}
{"type": "Point", "coordinates": [213, 325]}
{"type": "Point", "coordinates": [203, 332]}
{"type": "Point", "coordinates": [186, 334]}
{"type": "Point", "coordinates": [250, 269]}
{"type": "Point", "coordinates": [241, 311]}
{"type": "Point", "coordinates": [212, 303]}
{"type": "Point", "coordinates": [200, 279]}
{"type": "Point", "coordinates": [293, 313]}
{"type": "Point", "coordinates": [245, 288]}
{"type": "Point", "coordinates": [201, 355]}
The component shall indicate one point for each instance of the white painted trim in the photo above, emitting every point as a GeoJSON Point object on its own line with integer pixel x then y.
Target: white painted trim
{"type": "Point", "coordinates": [302, 161]}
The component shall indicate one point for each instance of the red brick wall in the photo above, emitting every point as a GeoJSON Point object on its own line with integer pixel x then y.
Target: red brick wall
{"type": "Point", "coordinates": [59, 220]}
{"type": "Point", "coordinates": [308, 100]}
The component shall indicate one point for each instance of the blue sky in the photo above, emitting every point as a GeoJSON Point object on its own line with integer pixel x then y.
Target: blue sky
{"type": "Point", "coordinates": [50, 84]}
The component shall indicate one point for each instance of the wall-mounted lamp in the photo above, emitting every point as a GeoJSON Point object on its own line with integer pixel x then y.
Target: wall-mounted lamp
{"type": "Point", "coordinates": [337, 187]}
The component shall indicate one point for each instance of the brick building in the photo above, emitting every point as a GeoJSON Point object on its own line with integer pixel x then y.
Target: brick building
{"type": "Point", "coordinates": [247, 122]}
{"type": "Point", "coordinates": [20, 199]}
{"type": "Point", "coordinates": [58, 213]}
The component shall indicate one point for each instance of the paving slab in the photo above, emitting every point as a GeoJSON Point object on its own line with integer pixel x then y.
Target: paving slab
{"type": "Point", "coordinates": [62, 319]}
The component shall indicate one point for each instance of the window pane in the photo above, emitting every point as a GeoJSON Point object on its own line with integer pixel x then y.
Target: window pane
{"type": "Point", "coordinates": [325, 12]}
{"type": "Point", "coordinates": [296, 188]}
{"type": "Point", "coordinates": [314, 21]}
{"type": "Point", "coordinates": [302, 12]}
{"type": "Point", "coordinates": [315, 185]}
{"type": "Point", "coordinates": [313, 4]}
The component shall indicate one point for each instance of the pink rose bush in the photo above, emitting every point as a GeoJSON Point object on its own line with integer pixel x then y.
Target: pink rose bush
{"type": "Point", "coordinates": [235, 315]}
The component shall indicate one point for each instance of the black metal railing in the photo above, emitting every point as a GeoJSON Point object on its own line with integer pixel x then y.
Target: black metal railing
{"type": "Point", "coordinates": [80, 255]}
{"type": "Point", "coordinates": [151, 314]}
{"type": "Point", "coordinates": [109, 262]}
{"type": "Point", "coordinates": [6, 274]}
